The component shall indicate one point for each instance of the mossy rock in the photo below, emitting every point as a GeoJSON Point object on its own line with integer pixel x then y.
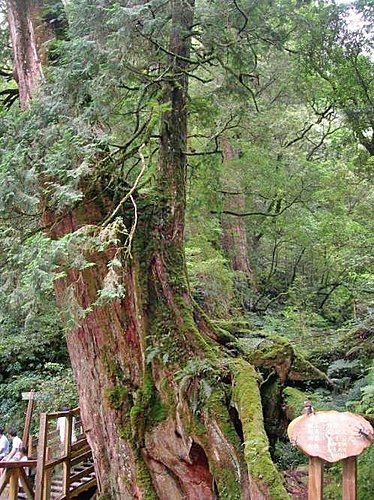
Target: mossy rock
{"type": "Point", "coordinates": [302, 369]}
{"type": "Point", "coordinates": [359, 341]}
{"type": "Point", "coordinates": [238, 327]}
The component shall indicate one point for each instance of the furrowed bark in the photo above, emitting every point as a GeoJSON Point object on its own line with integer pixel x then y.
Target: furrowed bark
{"type": "Point", "coordinates": [106, 348]}
{"type": "Point", "coordinates": [24, 21]}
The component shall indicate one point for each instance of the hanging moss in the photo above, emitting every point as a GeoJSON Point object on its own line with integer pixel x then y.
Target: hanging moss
{"type": "Point", "coordinates": [246, 396]}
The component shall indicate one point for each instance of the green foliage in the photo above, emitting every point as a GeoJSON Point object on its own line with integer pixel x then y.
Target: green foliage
{"type": "Point", "coordinates": [364, 401]}
{"type": "Point", "coordinates": [54, 384]}
{"type": "Point", "coordinates": [312, 237]}
{"type": "Point", "coordinates": [340, 367]}
{"type": "Point", "coordinates": [365, 462]}
{"type": "Point", "coordinates": [365, 474]}
{"type": "Point", "coordinates": [287, 456]}
{"type": "Point", "coordinates": [211, 280]}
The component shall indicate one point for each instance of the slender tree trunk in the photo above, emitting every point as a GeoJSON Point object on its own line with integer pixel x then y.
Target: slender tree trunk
{"type": "Point", "coordinates": [169, 412]}
{"type": "Point", "coordinates": [234, 231]}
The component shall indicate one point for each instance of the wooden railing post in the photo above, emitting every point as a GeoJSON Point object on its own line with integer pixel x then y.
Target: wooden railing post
{"type": "Point", "coordinates": [315, 488]}
{"type": "Point", "coordinates": [13, 484]}
{"type": "Point", "coordinates": [30, 451]}
{"type": "Point", "coordinates": [26, 430]}
{"type": "Point", "coordinates": [42, 458]}
{"type": "Point", "coordinates": [47, 477]}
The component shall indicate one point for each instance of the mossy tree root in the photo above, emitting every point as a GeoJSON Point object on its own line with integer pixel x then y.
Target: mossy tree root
{"type": "Point", "coordinates": [217, 414]}
{"type": "Point", "coordinates": [247, 400]}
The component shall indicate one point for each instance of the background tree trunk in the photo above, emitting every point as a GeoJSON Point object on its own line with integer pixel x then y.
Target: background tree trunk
{"type": "Point", "coordinates": [234, 231]}
{"type": "Point", "coordinates": [24, 21]}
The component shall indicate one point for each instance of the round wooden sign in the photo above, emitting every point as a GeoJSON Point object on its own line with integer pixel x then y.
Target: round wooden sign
{"type": "Point", "coordinates": [331, 435]}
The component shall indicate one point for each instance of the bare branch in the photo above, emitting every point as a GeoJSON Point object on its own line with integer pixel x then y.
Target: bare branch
{"type": "Point", "coordinates": [303, 133]}
{"type": "Point", "coordinates": [243, 14]}
{"type": "Point", "coordinates": [260, 214]}
{"type": "Point", "coordinates": [130, 193]}
{"type": "Point", "coordinates": [239, 78]}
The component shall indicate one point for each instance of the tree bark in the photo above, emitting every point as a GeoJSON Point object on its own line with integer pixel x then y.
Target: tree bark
{"type": "Point", "coordinates": [24, 25]}
{"type": "Point", "coordinates": [234, 231]}
{"type": "Point", "coordinates": [169, 411]}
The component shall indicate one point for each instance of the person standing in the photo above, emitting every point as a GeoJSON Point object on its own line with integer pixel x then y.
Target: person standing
{"type": "Point", "coordinates": [62, 425]}
{"type": "Point", "coordinates": [4, 444]}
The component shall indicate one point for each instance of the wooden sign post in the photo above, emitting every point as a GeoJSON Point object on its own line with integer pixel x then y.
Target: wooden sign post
{"type": "Point", "coordinates": [28, 396]}
{"type": "Point", "coordinates": [331, 436]}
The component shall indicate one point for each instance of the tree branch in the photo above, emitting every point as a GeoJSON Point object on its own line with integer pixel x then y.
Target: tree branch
{"type": "Point", "coordinates": [129, 193]}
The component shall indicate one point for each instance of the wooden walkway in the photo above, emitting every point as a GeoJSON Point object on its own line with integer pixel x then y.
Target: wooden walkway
{"type": "Point", "coordinates": [58, 471]}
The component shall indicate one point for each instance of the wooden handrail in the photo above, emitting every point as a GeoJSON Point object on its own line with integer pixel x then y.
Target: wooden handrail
{"type": "Point", "coordinates": [83, 473]}
{"type": "Point", "coordinates": [79, 458]}
{"type": "Point", "coordinates": [57, 414]}
{"type": "Point", "coordinates": [50, 464]}
{"type": "Point", "coordinates": [76, 451]}
{"type": "Point", "coordinates": [83, 487]}
{"type": "Point", "coordinates": [17, 464]}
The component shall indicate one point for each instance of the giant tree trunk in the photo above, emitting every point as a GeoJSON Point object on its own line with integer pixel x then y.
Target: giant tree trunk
{"type": "Point", "coordinates": [169, 411]}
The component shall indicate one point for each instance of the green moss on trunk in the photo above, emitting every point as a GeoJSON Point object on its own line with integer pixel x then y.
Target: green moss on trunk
{"type": "Point", "coordinates": [144, 479]}
{"type": "Point", "coordinates": [148, 409]}
{"type": "Point", "coordinates": [217, 408]}
{"type": "Point", "coordinates": [227, 485]}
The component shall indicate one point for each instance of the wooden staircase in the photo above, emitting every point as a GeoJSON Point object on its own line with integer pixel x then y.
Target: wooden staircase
{"type": "Point", "coordinates": [82, 479]}
{"type": "Point", "coordinates": [63, 470]}
{"type": "Point", "coordinates": [63, 474]}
